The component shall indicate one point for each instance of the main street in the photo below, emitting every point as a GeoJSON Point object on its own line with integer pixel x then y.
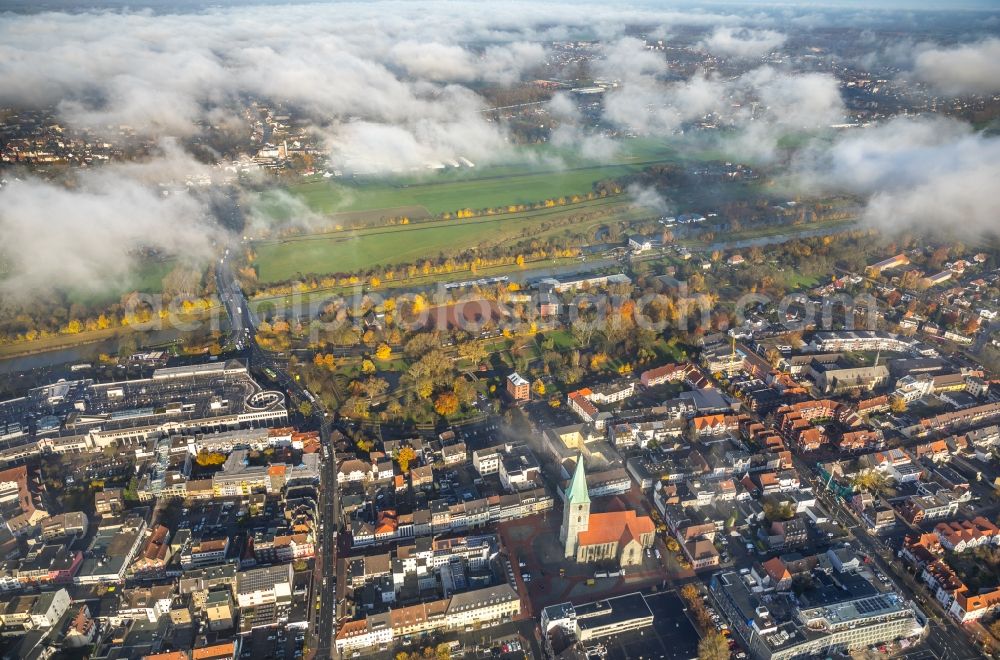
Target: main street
{"type": "Point", "coordinates": [242, 331]}
{"type": "Point", "coordinates": [945, 640]}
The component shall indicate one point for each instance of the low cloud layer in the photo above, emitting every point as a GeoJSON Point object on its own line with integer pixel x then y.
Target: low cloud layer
{"type": "Point", "coordinates": [94, 233]}
{"type": "Point", "coordinates": [763, 104]}
{"type": "Point", "coordinates": [743, 43]}
{"type": "Point", "coordinates": [395, 64]}
{"type": "Point", "coordinates": [649, 199]}
{"type": "Point", "coordinates": [929, 174]}
{"type": "Point", "coordinates": [965, 69]}
{"type": "Point", "coordinates": [392, 86]}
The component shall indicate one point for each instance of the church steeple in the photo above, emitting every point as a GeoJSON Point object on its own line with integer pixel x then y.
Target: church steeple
{"type": "Point", "coordinates": [576, 509]}
{"type": "Point", "coordinates": [578, 493]}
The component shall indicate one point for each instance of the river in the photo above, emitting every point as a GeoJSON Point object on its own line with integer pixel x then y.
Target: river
{"type": "Point", "coordinates": [761, 241]}
{"type": "Point", "coordinates": [80, 353]}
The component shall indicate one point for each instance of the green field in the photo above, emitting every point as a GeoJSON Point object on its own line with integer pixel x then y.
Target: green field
{"type": "Point", "coordinates": [542, 172]}
{"type": "Point", "coordinates": [443, 197]}
{"type": "Point", "coordinates": [147, 278]}
{"type": "Point", "coordinates": [350, 251]}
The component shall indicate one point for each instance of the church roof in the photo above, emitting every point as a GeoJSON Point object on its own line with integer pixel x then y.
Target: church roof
{"type": "Point", "coordinates": [578, 493]}
{"type": "Point", "coordinates": [620, 526]}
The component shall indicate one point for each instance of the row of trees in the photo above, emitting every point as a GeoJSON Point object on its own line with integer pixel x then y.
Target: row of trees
{"type": "Point", "coordinates": [184, 290]}
{"type": "Point", "coordinates": [493, 250]}
{"type": "Point", "coordinates": [713, 645]}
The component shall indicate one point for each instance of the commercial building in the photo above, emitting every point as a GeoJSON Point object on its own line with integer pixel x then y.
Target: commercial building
{"type": "Point", "coordinates": [603, 618]}
{"type": "Point", "coordinates": [111, 551]}
{"type": "Point", "coordinates": [841, 612]}
{"type": "Point", "coordinates": [479, 607]}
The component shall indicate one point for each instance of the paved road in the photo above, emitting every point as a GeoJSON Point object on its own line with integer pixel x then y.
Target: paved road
{"type": "Point", "coordinates": [242, 330]}
{"type": "Point", "coordinates": [984, 336]}
{"type": "Point", "coordinates": [945, 640]}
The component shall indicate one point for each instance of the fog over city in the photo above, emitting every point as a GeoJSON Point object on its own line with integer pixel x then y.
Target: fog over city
{"type": "Point", "coordinates": [500, 329]}
{"type": "Point", "coordinates": [386, 87]}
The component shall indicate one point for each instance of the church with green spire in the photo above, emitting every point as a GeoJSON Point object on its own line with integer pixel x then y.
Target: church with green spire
{"type": "Point", "coordinates": [614, 536]}
{"type": "Point", "coordinates": [576, 509]}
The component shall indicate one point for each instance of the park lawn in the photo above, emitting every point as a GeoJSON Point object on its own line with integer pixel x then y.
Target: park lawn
{"type": "Point", "coordinates": [795, 280]}
{"type": "Point", "coordinates": [562, 340]}
{"type": "Point", "coordinates": [392, 364]}
{"type": "Point", "coordinates": [666, 351]}
{"type": "Point", "coordinates": [498, 345]}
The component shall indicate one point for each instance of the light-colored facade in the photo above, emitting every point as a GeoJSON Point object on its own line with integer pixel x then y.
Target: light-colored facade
{"type": "Point", "coordinates": [576, 510]}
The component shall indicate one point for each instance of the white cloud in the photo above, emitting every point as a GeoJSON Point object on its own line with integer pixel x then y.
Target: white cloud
{"type": "Point", "coordinates": [649, 198]}
{"type": "Point", "coordinates": [742, 43]}
{"type": "Point", "coordinates": [86, 236]}
{"type": "Point", "coordinates": [794, 101]}
{"type": "Point", "coordinates": [434, 61]}
{"type": "Point", "coordinates": [965, 69]}
{"type": "Point", "coordinates": [928, 173]}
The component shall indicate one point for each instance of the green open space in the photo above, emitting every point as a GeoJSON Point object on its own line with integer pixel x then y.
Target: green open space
{"type": "Point", "coordinates": [535, 173]}
{"type": "Point", "coordinates": [795, 281]}
{"type": "Point", "coordinates": [351, 251]}
{"type": "Point", "coordinates": [541, 172]}
{"type": "Point", "coordinates": [396, 286]}
{"type": "Point", "coordinates": [450, 195]}
{"type": "Point", "coordinates": [147, 278]}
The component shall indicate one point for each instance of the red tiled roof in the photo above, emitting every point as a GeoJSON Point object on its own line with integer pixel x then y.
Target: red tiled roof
{"type": "Point", "coordinates": [620, 526]}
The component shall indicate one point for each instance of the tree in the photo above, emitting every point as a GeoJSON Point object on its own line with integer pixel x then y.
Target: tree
{"type": "Point", "coordinates": [367, 367]}
{"type": "Point", "coordinates": [897, 404]}
{"type": "Point", "coordinates": [872, 481]}
{"type": "Point", "coordinates": [127, 345]}
{"type": "Point", "coordinates": [210, 458]}
{"type": "Point", "coordinates": [422, 344]}
{"type": "Point", "coordinates": [713, 646]}
{"type": "Point", "coordinates": [443, 651]}
{"type": "Point", "coordinates": [405, 456]}
{"type": "Point", "coordinates": [464, 390]}
{"type": "Point", "coordinates": [446, 404]}
{"type": "Point", "coordinates": [358, 405]}
{"type": "Point", "coordinates": [672, 544]}
{"type": "Point", "coordinates": [131, 491]}
{"type": "Point", "coordinates": [425, 387]}
{"type": "Point", "coordinates": [305, 409]}
{"type": "Point", "coordinates": [374, 387]}
{"type": "Point", "coordinates": [777, 511]}
{"type": "Point", "coordinates": [538, 387]}
{"type": "Point", "coordinates": [383, 352]}
{"type": "Point", "coordinates": [473, 351]}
